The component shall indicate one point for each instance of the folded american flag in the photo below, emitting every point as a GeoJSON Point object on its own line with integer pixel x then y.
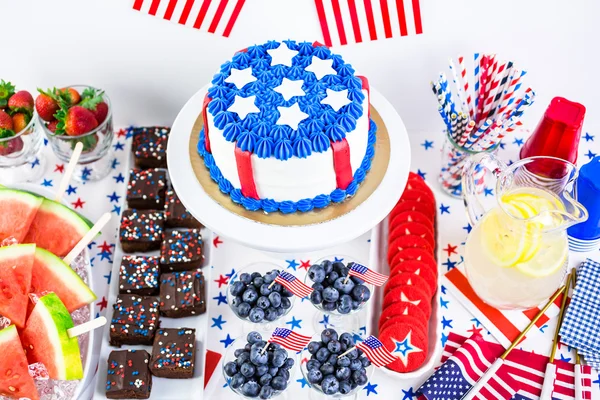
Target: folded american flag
{"type": "Point", "coordinates": [367, 275]}
{"type": "Point", "coordinates": [376, 352]}
{"type": "Point", "coordinates": [293, 284]}
{"type": "Point", "coordinates": [289, 339]}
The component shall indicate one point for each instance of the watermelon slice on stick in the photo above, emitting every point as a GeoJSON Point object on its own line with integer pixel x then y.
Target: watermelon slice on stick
{"type": "Point", "coordinates": [46, 339]}
{"type": "Point", "coordinates": [15, 381]}
{"type": "Point", "coordinates": [51, 274]}
{"type": "Point", "coordinates": [16, 263]}
{"type": "Point", "coordinates": [19, 210]}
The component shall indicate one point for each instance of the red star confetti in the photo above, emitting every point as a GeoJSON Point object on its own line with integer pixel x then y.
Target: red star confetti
{"type": "Point", "coordinates": [105, 247]}
{"type": "Point", "coordinates": [102, 304]}
{"type": "Point", "coordinates": [217, 241]}
{"type": "Point", "coordinates": [474, 329]}
{"type": "Point", "coordinates": [223, 280]}
{"type": "Point", "coordinates": [59, 168]}
{"type": "Point", "coordinates": [304, 264]}
{"type": "Point", "coordinates": [450, 249]}
{"type": "Point", "coordinates": [78, 203]}
{"type": "Point", "coordinates": [121, 133]}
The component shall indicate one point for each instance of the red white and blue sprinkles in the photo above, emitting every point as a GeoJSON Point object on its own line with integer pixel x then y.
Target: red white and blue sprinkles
{"type": "Point", "coordinates": [138, 273]}
{"type": "Point", "coordinates": [139, 225]}
{"type": "Point", "coordinates": [181, 246]}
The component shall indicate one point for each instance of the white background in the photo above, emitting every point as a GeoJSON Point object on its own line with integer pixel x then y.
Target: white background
{"type": "Point", "coordinates": [150, 67]}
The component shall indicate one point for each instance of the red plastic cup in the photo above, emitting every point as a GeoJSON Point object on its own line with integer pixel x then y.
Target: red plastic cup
{"type": "Point", "coordinates": [557, 135]}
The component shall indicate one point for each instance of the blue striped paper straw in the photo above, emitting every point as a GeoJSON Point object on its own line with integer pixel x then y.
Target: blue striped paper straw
{"type": "Point", "coordinates": [476, 78]}
{"type": "Point", "coordinates": [444, 117]}
{"type": "Point", "coordinates": [477, 134]}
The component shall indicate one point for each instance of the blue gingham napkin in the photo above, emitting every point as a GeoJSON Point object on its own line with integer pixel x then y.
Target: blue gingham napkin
{"type": "Point", "coordinates": [581, 325]}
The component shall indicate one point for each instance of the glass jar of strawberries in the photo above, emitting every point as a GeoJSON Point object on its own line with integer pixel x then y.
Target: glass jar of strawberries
{"type": "Point", "coordinates": [78, 114]}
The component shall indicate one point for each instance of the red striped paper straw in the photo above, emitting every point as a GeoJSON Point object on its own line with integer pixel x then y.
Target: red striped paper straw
{"type": "Point", "coordinates": [467, 133]}
{"type": "Point", "coordinates": [459, 89]}
{"type": "Point", "coordinates": [494, 86]}
{"type": "Point", "coordinates": [510, 92]}
{"type": "Point", "coordinates": [465, 81]}
{"type": "Point", "coordinates": [484, 65]}
{"type": "Point", "coordinates": [492, 67]}
{"type": "Point", "coordinates": [474, 137]}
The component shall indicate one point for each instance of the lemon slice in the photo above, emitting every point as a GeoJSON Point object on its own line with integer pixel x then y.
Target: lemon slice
{"type": "Point", "coordinates": [533, 240]}
{"type": "Point", "coordinates": [504, 246]}
{"type": "Point", "coordinates": [554, 257]}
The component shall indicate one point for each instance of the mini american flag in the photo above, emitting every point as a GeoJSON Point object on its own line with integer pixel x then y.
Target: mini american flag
{"type": "Point", "coordinates": [293, 284]}
{"type": "Point", "coordinates": [364, 273]}
{"type": "Point", "coordinates": [376, 351]}
{"type": "Point", "coordinates": [356, 21]}
{"type": "Point", "coordinates": [212, 16]}
{"type": "Point", "coordinates": [289, 339]}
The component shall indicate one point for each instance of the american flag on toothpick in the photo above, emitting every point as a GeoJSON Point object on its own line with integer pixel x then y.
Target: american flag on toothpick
{"type": "Point", "coordinates": [293, 284]}
{"type": "Point", "coordinates": [376, 352]}
{"type": "Point", "coordinates": [364, 273]}
{"type": "Point", "coordinates": [356, 21]}
{"type": "Point", "coordinates": [212, 16]}
{"type": "Point", "coordinates": [289, 339]}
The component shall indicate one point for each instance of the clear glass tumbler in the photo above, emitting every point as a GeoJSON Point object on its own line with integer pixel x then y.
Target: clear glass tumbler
{"type": "Point", "coordinates": [20, 158]}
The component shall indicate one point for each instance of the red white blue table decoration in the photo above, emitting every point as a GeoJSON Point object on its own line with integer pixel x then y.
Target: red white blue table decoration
{"type": "Point", "coordinates": [289, 339]}
{"type": "Point", "coordinates": [364, 273]}
{"type": "Point", "coordinates": [293, 284]}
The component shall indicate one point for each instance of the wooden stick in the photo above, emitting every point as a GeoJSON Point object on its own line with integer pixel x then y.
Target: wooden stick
{"type": "Point", "coordinates": [265, 348]}
{"type": "Point", "coordinates": [87, 238]}
{"type": "Point", "coordinates": [347, 351]}
{"type": "Point", "coordinates": [86, 327]}
{"type": "Point", "coordinates": [273, 283]}
{"type": "Point", "coordinates": [64, 182]}
{"type": "Point", "coordinates": [560, 318]}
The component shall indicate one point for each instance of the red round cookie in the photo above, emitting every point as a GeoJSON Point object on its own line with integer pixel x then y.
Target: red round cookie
{"type": "Point", "coordinates": [418, 195]}
{"type": "Point", "coordinates": [406, 342]}
{"type": "Point", "coordinates": [409, 294]}
{"type": "Point", "coordinates": [419, 184]}
{"type": "Point", "coordinates": [410, 216]}
{"type": "Point", "coordinates": [413, 228]}
{"type": "Point", "coordinates": [408, 278]}
{"type": "Point", "coordinates": [407, 242]}
{"type": "Point", "coordinates": [404, 319]}
{"type": "Point", "coordinates": [418, 268]}
{"type": "Point", "coordinates": [415, 254]}
{"type": "Point", "coordinates": [428, 209]}
{"type": "Point", "coordinates": [402, 308]}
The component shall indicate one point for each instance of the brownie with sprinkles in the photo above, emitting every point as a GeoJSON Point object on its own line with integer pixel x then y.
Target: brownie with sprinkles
{"type": "Point", "coordinates": [146, 189]}
{"type": "Point", "coordinates": [181, 250]}
{"type": "Point", "coordinates": [182, 294]}
{"type": "Point", "coordinates": [141, 230]}
{"type": "Point", "coordinates": [139, 275]}
{"type": "Point", "coordinates": [134, 321]}
{"type": "Point", "coordinates": [150, 146]}
{"type": "Point", "coordinates": [174, 353]}
{"type": "Point", "coordinates": [128, 376]}
{"type": "Point", "coordinates": [176, 215]}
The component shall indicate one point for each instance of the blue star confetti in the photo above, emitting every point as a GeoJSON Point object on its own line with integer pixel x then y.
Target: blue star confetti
{"type": "Point", "coordinates": [446, 323]}
{"type": "Point", "coordinates": [468, 228]}
{"type": "Point", "coordinates": [116, 210]}
{"type": "Point", "coordinates": [444, 303]}
{"type": "Point", "coordinates": [294, 323]}
{"type": "Point", "coordinates": [370, 388]}
{"type": "Point", "coordinates": [47, 183]}
{"type": "Point", "coordinates": [488, 191]}
{"type": "Point", "coordinates": [444, 339]}
{"type": "Point", "coordinates": [590, 155]}
{"type": "Point", "coordinates": [421, 174]}
{"type": "Point", "coordinates": [449, 264]}
{"type": "Point", "coordinates": [444, 209]}
{"type": "Point", "coordinates": [113, 197]}
{"type": "Point", "coordinates": [302, 381]}
{"type": "Point", "coordinates": [71, 190]}
{"type": "Point", "coordinates": [227, 341]}
{"type": "Point", "coordinates": [292, 264]}
{"type": "Point", "coordinates": [119, 146]}
{"type": "Point", "coordinates": [518, 141]}
{"type": "Point", "coordinates": [119, 178]}
{"type": "Point", "coordinates": [221, 299]}
{"type": "Point", "coordinates": [218, 323]}
{"type": "Point", "coordinates": [588, 137]}
{"type": "Point", "coordinates": [35, 163]}
{"type": "Point", "coordinates": [427, 144]}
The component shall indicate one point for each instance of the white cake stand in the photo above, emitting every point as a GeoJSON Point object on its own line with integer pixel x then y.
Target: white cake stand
{"type": "Point", "coordinates": [288, 239]}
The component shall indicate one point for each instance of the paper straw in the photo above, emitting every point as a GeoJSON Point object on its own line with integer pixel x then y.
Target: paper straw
{"type": "Point", "coordinates": [459, 89]}
{"type": "Point", "coordinates": [87, 238]}
{"type": "Point", "coordinates": [465, 81]}
{"type": "Point", "coordinates": [476, 71]}
{"type": "Point", "coordinates": [444, 116]}
{"type": "Point", "coordinates": [468, 130]}
{"type": "Point", "coordinates": [494, 86]}
{"type": "Point", "coordinates": [508, 96]}
{"type": "Point", "coordinates": [477, 134]}
{"type": "Point", "coordinates": [492, 67]}
{"type": "Point", "coordinates": [482, 83]}
{"type": "Point", "coordinates": [506, 77]}
{"type": "Point", "coordinates": [453, 125]}
{"type": "Point", "coordinates": [64, 182]}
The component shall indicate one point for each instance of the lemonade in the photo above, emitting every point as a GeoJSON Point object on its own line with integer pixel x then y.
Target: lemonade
{"type": "Point", "coordinates": [516, 256]}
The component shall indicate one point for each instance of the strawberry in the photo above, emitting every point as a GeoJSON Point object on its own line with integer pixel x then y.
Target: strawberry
{"type": "Point", "coordinates": [72, 96]}
{"type": "Point", "coordinates": [75, 121]}
{"type": "Point", "coordinates": [9, 146]}
{"type": "Point", "coordinates": [46, 105]}
{"type": "Point", "coordinates": [20, 121]}
{"type": "Point", "coordinates": [101, 112]}
{"type": "Point", "coordinates": [52, 126]}
{"type": "Point", "coordinates": [6, 121]}
{"type": "Point", "coordinates": [6, 90]}
{"type": "Point", "coordinates": [21, 102]}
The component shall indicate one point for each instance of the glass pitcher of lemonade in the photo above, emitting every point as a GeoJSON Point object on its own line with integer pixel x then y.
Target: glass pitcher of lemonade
{"type": "Point", "coordinates": [516, 254]}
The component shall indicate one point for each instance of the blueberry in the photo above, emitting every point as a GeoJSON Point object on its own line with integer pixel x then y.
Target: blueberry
{"type": "Point", "coordinates": [313, 364]}
{"type": "Point", "coordinates": [356, 304]}
{"type": "Point", "coordinates": [316, 297]}
{"type": "Point", "coordinates": [245, 356]}
{"type": "Point", "coordinates": [266, 392]}
{"type": "Point", "coordinates": [330, 294]}
{"type": "Point", "coordinates": [270, 277]}
{"type": "Point", "coordinates": [334, 346]}
{"type": "Point", "coordinates": [345, 387]}
{"type": "Point", "coordinates": [327, 266]}
{"type": "Point", "coordinates": [243, 310]}
{"type": "Point", "coordinates": [337, 266]}
{"type": "Point", "coordinates": [246, 278]}
{"type": "Point", "coordinates": [355, 364]}
{"type": "Point", "coordinates": [345, 304]}
{"type": "Point", "coordinates": [258, 282]}
{"type": "Point", "coordinates": [238, 352]}
{"type": "Point", "coordinates": [261, 370]}
{"type": "Point", "coordinates": [284, 373]}
{"type": "Point", "coordinates": [318, 286]}
{"type": "Point", "coordinates": [328, 334]}
{"type": "Point", "coordinates": [278, 383]}
{"type": "Point", "coordinates": [237, 381]}
{"type": "Point", "coordinates": [275, 346]}
{"type": "Point", "coordinates": [346, 339]}
{"type": "Point", "coordinates": [289, 363]}
{"type": "Point", "coordinates": [332, 277]}
{"type": "Point", "coordinates": [277, 288]}
{"type": "Point", "coordinates": [275, 299]}
{"type": "Point", "coordinates": [365, 362]}
{"type": "Point", "coordinates": [271, 314]}
{"type": "Point", "coordinates": [343, 286]}
{"type": "Point", "coordinates": [332, 359]}
{"type": "Point", "coordinates": [265, 379]}
{"type": "Point", "coordinates": [360, 377]}
{"type": "Point", "coordinates": [327, 369]}
{"type": "Point", "coordinates": [314, 376]}
{"type": "Point", "coordinates": [256, 315]}
{"type": "Point", "coordinates": [273, 371]}
{"type": "Point", "coordinates": [343, 361]}
{"type": "Point", "coordinates": [344, 347]}
{"type": "Point", "coordinates": [353, 384]}
{"type": "Point", "coordinates": [313, 347]}
{"type": "Point", "coordinates": [280, 311]}
{"type": "Point", "coordinates": [316, 273]}
{"type": "Point", "coordinates": [329, 305]}
{"type": "Point", "coordinates": [250, 295]}
{"type": "Point", "coordinates": [265, 290]}
{"type": "Point", "coordinates": [247, 369]}
{"type": "Point", "coordinates": [255, 275]}
{"type": "Point", "coordinates": [247, 347]}
{"type": "Point", "coordinates": [361, 293]}
{"type": "Point", "coordinates": [343, 373]}
{"type": "Point", "coordinates": [285, 303]}
{"type": "Point", "coordinates": [257, 357]}
{"type": "Point", "coordinates": [330, 385]}
{"type": "Point", "coordinates": [322, 355]}
{"type": "Point", "coordinates": [279, 357]}
{"type": "Point", "coordinates": [253, 337]}
{"type": "Point", "coordinates": [237, 288]}
{"type": "Point", "coordinates": [357, 280]}
{"type": "Point", "coordinates": [251, 389]}
{"type": "Point", "coordinates": [231, 369]}
{"type": "Point", "coordinates": [286, 293]}
{"type": "Point", "coordinates": [353, 354]}
{"type": "Point", "coordinates": [236, 301]}
{"type": "Point", "coordinates": [344, 271]}
{"type": "Point", "coordinates": [263, 302]}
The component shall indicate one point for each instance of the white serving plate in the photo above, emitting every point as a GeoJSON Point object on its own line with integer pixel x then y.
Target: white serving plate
{"type": "Point", "coordinates": [162, 388]}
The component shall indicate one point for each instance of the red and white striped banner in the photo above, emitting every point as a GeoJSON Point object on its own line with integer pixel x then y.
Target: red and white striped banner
{"type": "Point", "coordinates": [212, 16]}
{"type": "Point", "coordinates": [355, 21]}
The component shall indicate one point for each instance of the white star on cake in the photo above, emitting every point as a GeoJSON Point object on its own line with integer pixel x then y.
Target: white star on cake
{"type": "Point", "coordinates": [336, 100]}
{"type": "Point", "coordinates": [289, 89]}
{"type": "Point", "coordinates": [291, 116]}
{"type": "Point", "coordinates": [243, 106]}
{"type": "Point", "coordinates": [240, 77]}
{"type": "Point", "coordinates": [321, 67]}
{"type": "Point", "coordinates": [282, 55]}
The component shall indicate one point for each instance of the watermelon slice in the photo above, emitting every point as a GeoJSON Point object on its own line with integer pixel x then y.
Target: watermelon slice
{"type": "Point", "coordinates": [17, 211]}
{"type": "Point", "coordinates": [57, 228]}
{"type": "Point", "coordinates": [15, 381]}
{"type": "Point", "coordinates": [45, 339]}
{"type": "Point", "coordinates": [51, 274]}
{"type": "Point", "coordinates": [16, 263]}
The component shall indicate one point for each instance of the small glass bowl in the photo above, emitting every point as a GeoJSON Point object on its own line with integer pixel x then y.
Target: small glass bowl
{"type": "Point", "coordinates": [305, 355]}
{"type": "Point", "coordinates": [239, 343]}
{"type": "Point", "coordinates": [93, 164]}
{"type": "Point", "coordinates": [262, 268]}
{"type": "Point", "coordinates": [18, 154]}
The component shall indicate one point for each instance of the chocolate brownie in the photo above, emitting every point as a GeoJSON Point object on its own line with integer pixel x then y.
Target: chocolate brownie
{"type": "Point", "coordinates": [181, 250]}
{"type": "Point", "coordinates": [141, 230]}
{"type": "Point", "coordinates": [134, 320]}
{"type": "Point", "coordinates": [128, 376]}
{"type": "Point", "coordinates": [146, 189]}
{"type": "Point", "coordinates": [150, 146]}
{"type": "Point", "coordinates": [139, 275]}
{"type": "Point", "coordinates": [173, 353]}
{"type": "Point", "coordinates": [176, 215]}
{"type": "Point", "coordinates": [182, 294]}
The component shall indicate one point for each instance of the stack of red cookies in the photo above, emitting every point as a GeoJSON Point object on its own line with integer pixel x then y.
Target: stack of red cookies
{"type": "Point", "coordinates": [404, 321]}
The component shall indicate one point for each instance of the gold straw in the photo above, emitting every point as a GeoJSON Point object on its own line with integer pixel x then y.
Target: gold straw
{"type": "Point", "coordinates": [560, 317]}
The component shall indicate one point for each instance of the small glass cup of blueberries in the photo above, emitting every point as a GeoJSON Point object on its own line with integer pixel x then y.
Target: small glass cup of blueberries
{"type": "Point", "coordinates": [255, 297]}
{"type": "Point", "coordinates": [335, 368]}
{"type": "Point", "coordinates": [253, 373]}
